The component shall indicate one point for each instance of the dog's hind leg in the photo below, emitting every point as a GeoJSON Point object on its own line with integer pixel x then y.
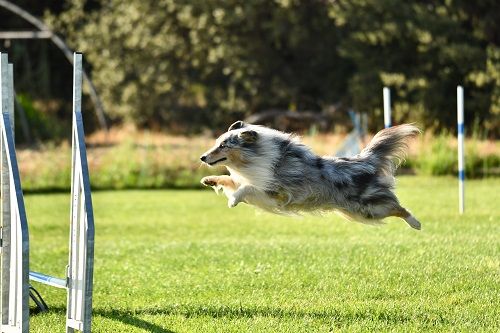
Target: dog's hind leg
{"type": "Point", "coordinates": [407, 216]}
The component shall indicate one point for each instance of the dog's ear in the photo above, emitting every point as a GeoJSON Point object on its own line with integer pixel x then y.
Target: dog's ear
{"type": "Point", "coordinates": [248, 136]}
{"type": "Point", "coordinates": [237, 125]}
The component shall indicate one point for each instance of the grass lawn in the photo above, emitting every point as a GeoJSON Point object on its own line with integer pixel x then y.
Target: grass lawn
{"type": "Point", "coordinates": [181, 261]}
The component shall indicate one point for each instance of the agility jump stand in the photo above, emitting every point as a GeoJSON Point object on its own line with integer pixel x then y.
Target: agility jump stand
{"type": "Point", "coordinates": [15, 289]}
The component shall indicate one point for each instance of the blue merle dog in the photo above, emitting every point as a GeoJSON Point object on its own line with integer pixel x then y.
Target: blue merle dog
{"type": "Point", "coordinates": [276, 172]}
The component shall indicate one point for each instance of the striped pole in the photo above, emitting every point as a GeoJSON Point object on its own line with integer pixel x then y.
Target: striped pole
{"type": "Point", "coordinates": [387, 107]}
{"type": "Point", "coordinates": [461, 157]}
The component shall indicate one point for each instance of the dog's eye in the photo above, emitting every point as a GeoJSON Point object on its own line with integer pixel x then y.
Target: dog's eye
{"type": "Point", "coordinates": [222, 146]}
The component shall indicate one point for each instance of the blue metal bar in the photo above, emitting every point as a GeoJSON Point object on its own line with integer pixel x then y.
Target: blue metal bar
{"type": "Point", "coordinates": [49, 280]}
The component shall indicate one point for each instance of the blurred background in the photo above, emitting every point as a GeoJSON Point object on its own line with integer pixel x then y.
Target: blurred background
{"type": "Point", "coordinates": [171, 75]}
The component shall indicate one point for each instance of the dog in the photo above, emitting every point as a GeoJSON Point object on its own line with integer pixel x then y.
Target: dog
{"type": "Point", "coordinates": [276, 172]}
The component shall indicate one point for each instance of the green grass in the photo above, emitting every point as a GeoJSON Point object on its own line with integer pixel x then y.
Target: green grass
{"type": "Point", "coordinates": [180, 261]}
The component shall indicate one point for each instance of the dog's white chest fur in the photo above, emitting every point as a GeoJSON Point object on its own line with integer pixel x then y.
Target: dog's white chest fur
{"type": "Point", "coordinates": [259, 177]}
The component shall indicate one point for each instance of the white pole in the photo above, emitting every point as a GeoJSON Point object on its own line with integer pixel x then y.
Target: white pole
{"type": "Point", "coordinates": [387, 107]}
{"type": "Point", "coordinates": [461, 157]}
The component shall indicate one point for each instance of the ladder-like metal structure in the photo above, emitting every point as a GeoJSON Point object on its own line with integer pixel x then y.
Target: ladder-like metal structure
{"type": "Point", "coordinates": [15, 274]}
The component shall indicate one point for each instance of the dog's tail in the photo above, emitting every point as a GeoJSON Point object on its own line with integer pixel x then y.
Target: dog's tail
{"type": "Point", "coordinates": [389, 147]}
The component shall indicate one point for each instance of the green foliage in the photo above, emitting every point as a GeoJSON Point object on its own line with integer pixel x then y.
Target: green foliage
{"type": "Point", "coordinates": [130, 166]}
{"type": "Point", "coordinates": [422, 50]}
{"type": "Point", "coordinates": [50, 171]}
{"type": "Point", "coordinates": [42, 125]}
{"type": "Point", "coordinates": [199, 63]}
{"type": "Point", "coordinates": [191, 64]}
{"type": "Point", "coordinates": [440, 158]}
{"type": "Point", "coordinates": [188, 65]}
{"type": "Point", "coordinates": [181, 261]}
{"type": "Point", "coordinates": [477, 166]}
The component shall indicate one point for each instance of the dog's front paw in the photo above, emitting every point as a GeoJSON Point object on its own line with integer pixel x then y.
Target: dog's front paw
{"type": "Point", "coordinates": [209, 181]}
{"type": "Point", "coordinates": [232, 202]}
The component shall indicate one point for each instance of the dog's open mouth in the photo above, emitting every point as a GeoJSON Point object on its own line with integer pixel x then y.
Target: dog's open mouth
{"type": "Point", "coordinates": [215, 162]}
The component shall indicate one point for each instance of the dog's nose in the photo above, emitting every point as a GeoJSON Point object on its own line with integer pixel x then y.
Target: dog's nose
{"type": "Point", "coordinates": [203, 158]}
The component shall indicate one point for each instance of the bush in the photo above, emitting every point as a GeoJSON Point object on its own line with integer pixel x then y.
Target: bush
{"type": "Point", "coordinates": [441, 159]}
{"type": "Point", "coordinates": [42, 126]}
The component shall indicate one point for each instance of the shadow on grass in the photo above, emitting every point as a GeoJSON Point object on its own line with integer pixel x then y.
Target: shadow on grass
{"type": "Point", "coordinates": [126, 317]}
{"type": "Point", "coordinates": [194, 311]}
{"type": "Point", "coordinates": [129, 318]}
{"type": "Point", "coordinates": [394, 316]}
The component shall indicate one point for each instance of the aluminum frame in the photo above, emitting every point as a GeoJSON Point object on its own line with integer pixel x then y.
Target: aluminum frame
{"type": "Point", "coordinates": [81, 254]}
{"type": "Point", "coordinates": [14, 282]}
{"type": "Point", "coordinates": [15, 274]}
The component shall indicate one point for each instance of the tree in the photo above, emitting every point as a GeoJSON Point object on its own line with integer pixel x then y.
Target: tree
{"type": "Point", "coordinates": [207, 62]}
{"type": "Point", "coordinates": [422, 50]}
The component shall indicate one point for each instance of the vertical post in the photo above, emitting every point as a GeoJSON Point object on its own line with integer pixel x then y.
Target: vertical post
{"type": "Point", "coordinates": [8, 201]}
{"type": "Point", "coordinates": [461, 157]}
{"type": "Point", "coordinates": [81, 252]}
{"type": "Point", "coordinates": [5, 207]}
{"type": "Point", "coordinates": [387, 107]}
{"type": "Point", "coordinates": [15, 240]}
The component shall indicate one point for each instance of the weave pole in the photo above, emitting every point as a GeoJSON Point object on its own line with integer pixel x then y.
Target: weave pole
{"type": "Point", "coordinates": [387, 107]}
{"type": "Point", "coordinates": [461, 157]}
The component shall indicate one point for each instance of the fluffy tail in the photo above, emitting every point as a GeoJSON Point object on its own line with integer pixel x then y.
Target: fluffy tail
{"type": "Point", "coordinates": [389, 147]}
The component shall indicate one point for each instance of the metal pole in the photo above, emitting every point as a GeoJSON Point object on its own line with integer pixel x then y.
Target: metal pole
{"type": "Point", "coordinates": [25, 34]}
{"type": "Point", "coordinates": [5, 193]}
{"type": "Point", "coordinates": [461, 155]}
{"type": "Point", "coordinates": [387, 107]}
{"type": "Point", "coordinates": [81, 254]}
{"type": "Point", "coordinates": [15, 239]}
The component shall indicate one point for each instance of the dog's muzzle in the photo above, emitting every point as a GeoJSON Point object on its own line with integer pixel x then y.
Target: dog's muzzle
{"type": "Point", "coordinates": [204, 160]}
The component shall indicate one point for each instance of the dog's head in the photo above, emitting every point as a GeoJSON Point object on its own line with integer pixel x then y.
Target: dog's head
{"type": "Point", "coordinates": [229, 147]}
